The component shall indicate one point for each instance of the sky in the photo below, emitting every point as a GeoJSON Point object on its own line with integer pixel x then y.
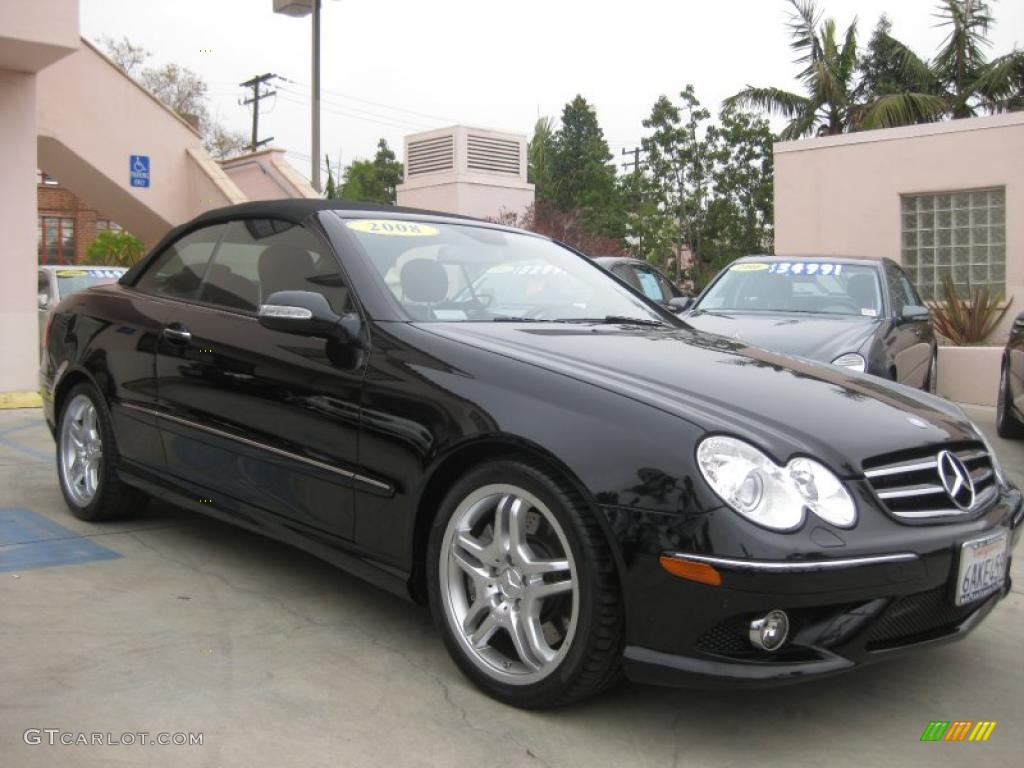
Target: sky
{"type": "Point", "coordinates": [394, 67]}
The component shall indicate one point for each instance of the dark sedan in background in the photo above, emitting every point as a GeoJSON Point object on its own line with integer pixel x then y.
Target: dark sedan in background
{"type": "Point", "coordinates": [1010, 401]}
{"type": "Point", "coordinates": [646, 278]}
{"type": "Point", "coordinates": [577, 483]}
{"type": "Point", "coordinates": [859, 313]}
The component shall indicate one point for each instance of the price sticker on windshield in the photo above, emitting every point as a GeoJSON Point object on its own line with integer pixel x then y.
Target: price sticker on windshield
{"type": "Point", "coordinates": [804, 268]}
{"type": "Point", "coordinates": [749, 266]}
{"type": "Point", "coordinates": [392, 228]}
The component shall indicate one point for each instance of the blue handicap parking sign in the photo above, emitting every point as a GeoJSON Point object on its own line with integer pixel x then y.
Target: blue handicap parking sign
{"type": "Point", "coordinates": [139, 170]}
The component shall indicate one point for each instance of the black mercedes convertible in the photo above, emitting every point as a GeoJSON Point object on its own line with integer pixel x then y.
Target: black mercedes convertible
{"type": "Point", "coordinates": [576, 482]}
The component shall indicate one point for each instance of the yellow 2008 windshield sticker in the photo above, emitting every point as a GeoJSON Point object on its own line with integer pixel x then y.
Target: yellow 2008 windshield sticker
{"type": "Point", "coordinates": [749, 266]}
{"type": "Point", "coordinates": [392, 228]}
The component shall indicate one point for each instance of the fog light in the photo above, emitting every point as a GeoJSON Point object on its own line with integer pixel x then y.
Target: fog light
{"type": "Point", "coordinates": [769, 632]}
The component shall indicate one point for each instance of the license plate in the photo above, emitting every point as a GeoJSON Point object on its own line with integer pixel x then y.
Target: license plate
{"type": "Point", "coordinates": [982, 567]}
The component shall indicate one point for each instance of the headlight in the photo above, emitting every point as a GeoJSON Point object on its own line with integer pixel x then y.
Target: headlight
{"type": "Point", "coordinates": [769, 495]}
{"type": "Point", "coordinates": [852, 360]}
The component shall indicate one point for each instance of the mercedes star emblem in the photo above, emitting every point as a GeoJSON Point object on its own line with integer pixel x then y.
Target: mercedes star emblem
{"type": "Point", "coordinates": [956, 480]}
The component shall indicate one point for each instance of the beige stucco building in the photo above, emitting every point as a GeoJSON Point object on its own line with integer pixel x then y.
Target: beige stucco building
{"type": "Point", "coordinates": [68, 111]}
{"type": "Point", "coordinates": [470, 171]}
{"type": "Point", "coordinates": [938, 198]}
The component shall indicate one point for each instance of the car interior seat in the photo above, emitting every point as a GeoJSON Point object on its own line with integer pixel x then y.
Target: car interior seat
{"type": "Point", "coordinates": [424, 284]}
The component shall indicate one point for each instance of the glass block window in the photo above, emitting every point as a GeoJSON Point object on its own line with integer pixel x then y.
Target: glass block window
{"type": "Point", "coordinates": [962, 234]}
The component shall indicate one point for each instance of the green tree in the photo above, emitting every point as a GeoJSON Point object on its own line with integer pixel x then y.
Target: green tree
{"type": "Point", "coordinates": [373, 181]}
{"type": "Point", "coordinates": [960, 81]}
{"type": "Point", "coordinates": [114, 249]}
{"type": "Point", "coordinates": [182, 90]}
{"type": "Point", "coordinates": [582, 175]}
{"type": "Point", "coordinates": [830, 103]}
{"type": "Point", "coordinates": [740, 216]}
{"type": "Point", "coordinates": [539, 153]}
{"type": "Point", "coordinates": [679, 161]}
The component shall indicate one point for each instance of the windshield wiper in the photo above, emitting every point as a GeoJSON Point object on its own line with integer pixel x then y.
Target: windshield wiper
{"type": "Point", "coordinates": [512, 319]}
{"type": "Point", "coordinates": [619, 320]}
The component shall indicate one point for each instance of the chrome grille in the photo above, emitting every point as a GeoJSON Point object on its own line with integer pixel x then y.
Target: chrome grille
{"type": "Point", "coordinates": [910, 486]}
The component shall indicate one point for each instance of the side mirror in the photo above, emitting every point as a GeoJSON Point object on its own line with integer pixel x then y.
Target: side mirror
{"type": "Point", "coordinates": [680, 303]}
{"type": "Point", "coordinates": [43, 300]}
{"type": "Point", "coordinates": [1018, 322]}
{"type": "Point", "coordinates": [915, 313]}
{"type": "Point", "coordinates": [306, 313]}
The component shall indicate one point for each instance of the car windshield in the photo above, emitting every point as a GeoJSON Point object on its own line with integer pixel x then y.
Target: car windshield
{"type": "Point", "coordinates": [73, 280]}
{"type": "Point", "coordinates": [796, 286]}
{"type": "Point", "coordinates": [460, 272]}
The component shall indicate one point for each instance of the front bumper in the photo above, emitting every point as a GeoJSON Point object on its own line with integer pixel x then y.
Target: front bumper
{"type": "Point", "coordinates": [844, 613]}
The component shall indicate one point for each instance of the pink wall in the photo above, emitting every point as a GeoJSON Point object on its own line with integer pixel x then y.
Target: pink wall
{"type": "Point", "coordinates": [841, 194]}
{"type": "Point", "coordinates": [91, 118]}
{"type": "Point", "coordinates": [18, 313]}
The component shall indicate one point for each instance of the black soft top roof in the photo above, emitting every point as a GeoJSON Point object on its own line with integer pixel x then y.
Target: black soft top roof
{"type": "Point", "coordinates": [297, 209]}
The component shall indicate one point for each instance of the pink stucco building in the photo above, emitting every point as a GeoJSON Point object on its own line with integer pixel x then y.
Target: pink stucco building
{"type": "Point", "coordinates": [942, 198]}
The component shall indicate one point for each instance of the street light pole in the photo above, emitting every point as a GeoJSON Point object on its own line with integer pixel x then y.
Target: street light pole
{"type": "Point", "coordinates": [316, 97]}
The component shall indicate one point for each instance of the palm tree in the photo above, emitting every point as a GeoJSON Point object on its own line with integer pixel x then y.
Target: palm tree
{"type": "Point", "coordinates": [829, 67]}
{"type": "Point", "coordinates": [959, 82]}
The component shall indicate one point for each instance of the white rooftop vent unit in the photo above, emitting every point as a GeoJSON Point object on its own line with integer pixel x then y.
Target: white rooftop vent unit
{"type": "Point", "coordinates": [464, 170]}
{"type": "Point", "coordinates": [492, 155]}
{"type": "Point", "coordinates": [430, 155]}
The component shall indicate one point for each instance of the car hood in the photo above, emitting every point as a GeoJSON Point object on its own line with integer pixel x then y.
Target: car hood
{"type": "Point", "coordinates": [818, 337]}
{"type": "Point", "coordinates": [783, 404]}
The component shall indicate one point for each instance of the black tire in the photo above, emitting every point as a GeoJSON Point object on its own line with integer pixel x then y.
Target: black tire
{"type": "Point", "coordinates": [1006, 423]}
{"type": "Point", "coordinates": [593, 656]}
{"type": "Point", "coordinates": [931, 384]}
{"type": "Point", "coordinates": [112, 499]}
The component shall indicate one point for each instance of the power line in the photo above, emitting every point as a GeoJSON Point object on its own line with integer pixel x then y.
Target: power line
{"type": "Point", "coordinates": [372, 103]}
{"type": "Point", "coordinates": [257, 96]}
{"type": "Point", "coordinates": [296, 95]}
{"type": "Point", "coordinates": [366, 117]}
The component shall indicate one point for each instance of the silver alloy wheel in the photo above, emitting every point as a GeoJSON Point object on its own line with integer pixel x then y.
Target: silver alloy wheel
{"type": "Point", "coordinates": [81, 450]}
{"type": "Point", "coordinates": [509, 584]}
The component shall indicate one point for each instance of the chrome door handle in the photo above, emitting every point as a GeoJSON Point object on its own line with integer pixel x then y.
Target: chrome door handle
{"type": "Point", "coordinates": [178, 335]}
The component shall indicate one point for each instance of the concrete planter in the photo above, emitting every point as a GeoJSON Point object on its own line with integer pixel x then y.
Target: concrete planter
{"type": "Point", "coordinates": [970, 374]}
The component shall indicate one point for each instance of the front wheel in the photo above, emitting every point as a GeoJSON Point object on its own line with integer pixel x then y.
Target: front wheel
{"type": "Point", "coordinates": [931, 383]}
{"type": "Point", "coordinates": [523, 587]}
{"type": "Point", "coordinates": [87, 458]}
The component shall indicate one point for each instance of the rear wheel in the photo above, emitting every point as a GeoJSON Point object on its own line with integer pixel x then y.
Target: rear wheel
{"type": "Point", "coordinates": [523, 587]}
{"type": "Point", "coordinates": [1006, 422]}
{"type": "Point", "coordinates": [87, 459]}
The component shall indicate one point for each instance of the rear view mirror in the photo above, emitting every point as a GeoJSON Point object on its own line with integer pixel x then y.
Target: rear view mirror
{"type": "Point", "coordinates": [913, 312]}
{"type": "Point", "coordinates": [680, 303]}
{"type": "Point", "coordinates": [306, 313]}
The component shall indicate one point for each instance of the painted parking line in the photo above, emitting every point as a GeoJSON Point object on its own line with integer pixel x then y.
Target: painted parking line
{"type": "Point", "coordinates": [8, 442]}
{"type": "Point", "coordinates": [28, 541]}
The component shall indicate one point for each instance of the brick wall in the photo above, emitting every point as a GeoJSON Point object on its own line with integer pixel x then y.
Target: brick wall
{"type": "Point", "coordinates": [56, 201]}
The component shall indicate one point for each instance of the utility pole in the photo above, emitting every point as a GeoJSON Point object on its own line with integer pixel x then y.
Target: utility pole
{"type": "Point", "coordinates": [315, 116]}
{"type": "Point", "coordinates": [635, 165]}
{"type": "Point", "coordinates": [257, 96]}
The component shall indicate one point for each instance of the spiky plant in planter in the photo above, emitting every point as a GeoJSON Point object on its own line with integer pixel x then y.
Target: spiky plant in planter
{"type": "Point", "coordinates": [967, 321]}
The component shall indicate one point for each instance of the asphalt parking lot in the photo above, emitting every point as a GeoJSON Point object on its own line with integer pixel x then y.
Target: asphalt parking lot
{"type": "Point", "coordinates": [173, 623]}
